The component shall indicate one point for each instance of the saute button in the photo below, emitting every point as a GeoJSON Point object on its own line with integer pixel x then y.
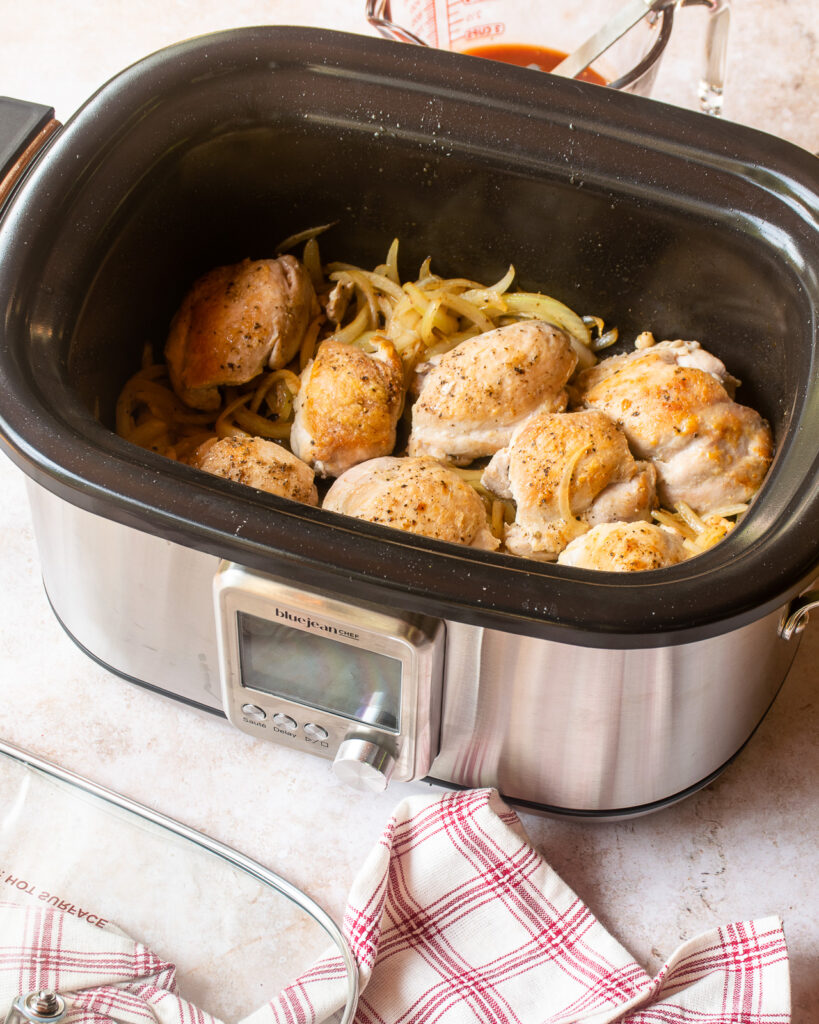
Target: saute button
{"type": "Point", "coordinates": [315, 732]}
{"type": "Point", "coordinates": [253, 711]}
{"type": "Point", "coordinates": [284, 721]}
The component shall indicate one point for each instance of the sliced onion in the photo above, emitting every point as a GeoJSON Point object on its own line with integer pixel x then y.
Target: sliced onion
{"type": "Point", "coordinates": [379, 281]}
{"type": "Point", "coordinates": [436, 319]}
{"type": "Point", "coordinates": [468, 310]}
{"type": "Point", "coordinates": [261, 427]}
{"type": "Point", "coordinates": [417, 297]}
{"type": "Point", "coordinates": [564, 489]}
{"type": "Point", "coordinates": [605, 340]}
{"type": "Point", "coordinates": [302, 236]}
{"type": "Point", "coordinates": [389, 268]}
{"type": "Point", "coordinates": [312, 262]}
{"type": "Point", "coordinates": [348, 334]}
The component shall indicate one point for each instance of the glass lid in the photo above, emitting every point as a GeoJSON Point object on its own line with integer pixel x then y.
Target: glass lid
{"type": "Point", "coordinates": [237, 933]}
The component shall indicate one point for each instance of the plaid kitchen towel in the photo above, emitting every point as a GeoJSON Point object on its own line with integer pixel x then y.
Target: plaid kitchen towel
{"type": "Point", "coordinates": [453, 919]}
{"type": "Point", "coordinates": [102, 974]}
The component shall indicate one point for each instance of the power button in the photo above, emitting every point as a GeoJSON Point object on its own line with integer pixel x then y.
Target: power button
{"type": "Point", "coordinates": [315, 732]}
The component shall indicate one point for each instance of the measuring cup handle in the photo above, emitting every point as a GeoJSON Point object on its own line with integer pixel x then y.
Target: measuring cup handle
{"type": "Point", "coordinates": [379, 16]}
{"type": "Point", "coordinates": [712, 82]}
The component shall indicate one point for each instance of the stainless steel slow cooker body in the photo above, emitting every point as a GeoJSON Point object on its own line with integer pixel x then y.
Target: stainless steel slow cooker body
{"type": "Point", "coordinates": [581, 692]}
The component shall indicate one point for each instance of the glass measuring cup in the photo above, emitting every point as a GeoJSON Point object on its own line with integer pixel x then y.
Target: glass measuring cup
{"type": "Point", "coordinates": [538, 34]}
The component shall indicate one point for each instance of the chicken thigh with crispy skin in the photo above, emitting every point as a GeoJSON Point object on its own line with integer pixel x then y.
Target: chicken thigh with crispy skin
{"type": "Point", "coordinates": [683, 353]}
{"type": "Point", "coordinates": [420, 495]}
{"type": "Point", "coordinates": [235, 322]}
{"type": "Point", "coordinates": [475, 396]}
{"type": "Point", "coordinates": [709, 451]}
{"type": "Point", "coordinates": [567, 472]}
{"type": "Point", "coordinates": [348, 405]}
{"type": "Point", "coordinates": [624, 547]}
{"type": "Point", "coordinates": [257, 462]}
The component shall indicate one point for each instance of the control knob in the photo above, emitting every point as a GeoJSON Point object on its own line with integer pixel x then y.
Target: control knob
{"type": "Point", "coordinates": [363, 765]}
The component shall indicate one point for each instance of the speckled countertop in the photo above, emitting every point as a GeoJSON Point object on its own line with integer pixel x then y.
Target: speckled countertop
{"type": "Point", "coordinates": [746, 846]}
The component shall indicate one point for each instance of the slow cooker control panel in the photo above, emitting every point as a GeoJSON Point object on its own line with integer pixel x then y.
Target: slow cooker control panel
{"type": "Point", "coordinates": [348, 683]}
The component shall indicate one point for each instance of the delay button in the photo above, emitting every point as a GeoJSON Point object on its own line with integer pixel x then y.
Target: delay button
{"type": "Point", "coordinates": [284, 721]}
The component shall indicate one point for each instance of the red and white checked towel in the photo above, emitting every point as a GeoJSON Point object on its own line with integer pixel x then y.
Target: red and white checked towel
{"type": "Point", "coordinates": [454, 919]}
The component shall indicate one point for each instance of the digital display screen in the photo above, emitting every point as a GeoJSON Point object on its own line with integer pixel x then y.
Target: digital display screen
{"type": "Point", "coordinates": [317, 670]}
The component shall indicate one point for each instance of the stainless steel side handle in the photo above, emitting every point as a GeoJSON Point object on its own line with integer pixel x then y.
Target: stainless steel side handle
{"type": "Point", "coordinates": [796, 617]}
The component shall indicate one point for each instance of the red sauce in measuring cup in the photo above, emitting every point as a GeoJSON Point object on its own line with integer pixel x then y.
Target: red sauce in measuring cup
{"type": "Point", "coordinates": [538, 57]}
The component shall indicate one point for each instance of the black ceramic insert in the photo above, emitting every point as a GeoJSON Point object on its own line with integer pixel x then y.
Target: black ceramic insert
{"type": "Point", "coordinates": [652, 217]}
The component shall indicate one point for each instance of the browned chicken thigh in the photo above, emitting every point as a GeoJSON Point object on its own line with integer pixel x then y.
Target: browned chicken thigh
{"type": "Point", "coordinates": [235, 322]}
{"type": "Point", "coordinates": [420, 495]}
{"type": "Point", "coordinates": [709, 451]}
{"type": "Point", "coordinates": [347, 407]}
{"type": "Point", "coordinates": [625, 547]}
{"type": "Point", "coordinates": [475, 396]}
{"type": "Point", "coordinates": [683, 353]}
{"type": "Point", "coordinates": [257, 462]}
{"type": "Point", "coordinates": [567, 472]}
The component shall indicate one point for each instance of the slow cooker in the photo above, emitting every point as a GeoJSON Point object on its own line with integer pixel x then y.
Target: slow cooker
{"type": "Point", "coordinates": [388, 654]}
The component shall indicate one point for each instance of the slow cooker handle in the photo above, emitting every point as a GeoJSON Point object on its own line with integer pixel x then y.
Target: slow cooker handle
{"type": "Point", "coordinates": [796, 616]}
{"type": "Point", "coordinates": [24, 130]}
